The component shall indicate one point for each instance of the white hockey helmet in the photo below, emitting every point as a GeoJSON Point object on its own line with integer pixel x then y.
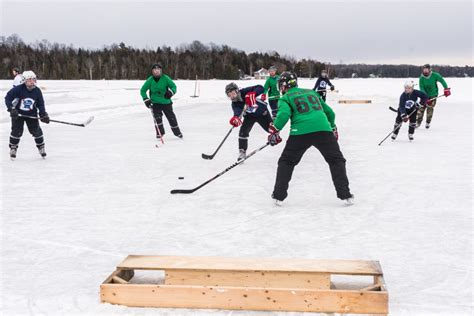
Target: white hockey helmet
{"type": "Point", "coordinates": [28, 74]}
{"type": "Point", "coordinates": [409, 84]}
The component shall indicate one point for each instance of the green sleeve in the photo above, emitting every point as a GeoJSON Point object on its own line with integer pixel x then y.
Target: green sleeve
{"type": "Point", "coordinates": [420, 83]}
{"type": "Point", "coordinates": [441, 79]}
{"type": "Point", "coordinates": [145, 88]}
{"type": "Point", "coordinates": [284, 114]}
{"type": "Point", "coordinates": [265, 87]}
{"type": "Point", "coordinates": [172, 85]}
{"type": "Point", "coordinates": [329, 113]}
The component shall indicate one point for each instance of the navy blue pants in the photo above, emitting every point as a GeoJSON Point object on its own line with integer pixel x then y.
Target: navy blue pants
{"type": "Point", "coordinates": [33, 127]}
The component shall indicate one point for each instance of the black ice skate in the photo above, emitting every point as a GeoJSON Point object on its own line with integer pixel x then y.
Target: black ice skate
{"type": "Point", "coordinates": [42, 151]}
{"type": "Point", "coordinates": [242, 154]}
{"type": "Point", "coordinates": [13, 153]}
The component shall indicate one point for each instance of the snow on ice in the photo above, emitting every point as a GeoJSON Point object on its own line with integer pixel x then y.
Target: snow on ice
{"type": "Point", "coordinates": [103, 193]}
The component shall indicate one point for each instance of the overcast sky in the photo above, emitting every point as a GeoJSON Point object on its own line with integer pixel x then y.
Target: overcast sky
{"type": "Point", "coordinates": [413, 32]}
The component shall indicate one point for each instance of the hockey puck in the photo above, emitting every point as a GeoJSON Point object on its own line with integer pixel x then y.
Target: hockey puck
{"type": "Point", "coordinates": [180, 178]}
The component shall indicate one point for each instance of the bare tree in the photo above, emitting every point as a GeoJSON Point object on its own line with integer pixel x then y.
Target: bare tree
{"type": "Point", "coordinates": [90, 65]}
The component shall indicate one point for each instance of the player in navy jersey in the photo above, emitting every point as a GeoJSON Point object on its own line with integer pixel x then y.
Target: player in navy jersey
{"type": "Point", "coordinates": [24, 102]}
{"type": "Point", "coordinates": [245, 104]}
{"type": "Point", "coordinates": [322, 83]}
{"type": "Point", "coordinates": [407, 108]}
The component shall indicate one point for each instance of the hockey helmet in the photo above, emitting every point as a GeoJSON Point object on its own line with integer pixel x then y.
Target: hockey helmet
{"type": "Point", "coordinates": [28, 74]}
{"type": "Point", "coordinates": [287, 80]}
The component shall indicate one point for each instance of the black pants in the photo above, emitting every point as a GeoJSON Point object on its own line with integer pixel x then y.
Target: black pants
{"type": "Point", "coordinates": [322, 94]}
{"type": "Point", "coordinates": [274, 107]}
{"type": "Point", "coordinates": [158, 110]}
{"type": "Point", "coordinates": [295, 148]}
{"type": "Point", "coordinates": [264, 121]}
{"type": "Point", "coordinates": [411, 126]}
{"type": "Point", "coordinates": [17, 130]}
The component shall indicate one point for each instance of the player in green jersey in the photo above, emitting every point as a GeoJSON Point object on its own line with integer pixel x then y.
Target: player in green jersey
{"type": "Point", "coordinates": [312, 124]}
{"type": "Point", "coordinates": [271, 87]}
{"type": "Point", "coordinates": [161, 89]}
{"type": "Point", "coordinates": [429, 84]}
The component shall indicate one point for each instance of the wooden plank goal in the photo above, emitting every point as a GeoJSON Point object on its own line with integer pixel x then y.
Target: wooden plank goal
{"type": "Point", "coordinates": [248, 284]}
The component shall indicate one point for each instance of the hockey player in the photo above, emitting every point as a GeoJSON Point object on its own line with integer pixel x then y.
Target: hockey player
{"type": "Point", "coordinates": [245, 104]}
{"type": "Point", "coordinates": [17, 77]}
{"type": "Point", "coordinates": [26, 100]}
{"type": "Point", "coordinates": [429, 84]}
{"type": "Point", "coordinates": [161, 88]}
{"type": "Point", "coordinates": [407, 108]}
{"type": "Point", "coordinates": [312, 124]}
{"type": "Point", "coordinates": [322, 83]}
{"type": "Point", "coordinates": [271, 87]}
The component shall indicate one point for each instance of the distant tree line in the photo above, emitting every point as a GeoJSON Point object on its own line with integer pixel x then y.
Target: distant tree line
{"type": "Point", "coordinates": [119, 61]}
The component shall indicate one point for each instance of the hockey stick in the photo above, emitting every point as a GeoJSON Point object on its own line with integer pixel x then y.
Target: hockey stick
{"type": "Point", "coordinates": [87, 122]}
{"type": "Point", "coordinates": [187, 191]}
{"type": "Point", "coordinates": [397, 126]}
{"type": "Point", "coordinates": [209, 157]}
{"type": "Point", "coordinates": [392, 109]}
{"type": "Point", "coordinates": [327, 90]}
{"type": "Point", "coordinates": [395, 110]}
{"type": "Point", "coordinates": [157, 128]}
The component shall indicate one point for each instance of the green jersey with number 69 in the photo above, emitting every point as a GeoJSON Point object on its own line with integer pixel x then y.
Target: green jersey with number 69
{"type": "Point", "coordinates": [307, 111]}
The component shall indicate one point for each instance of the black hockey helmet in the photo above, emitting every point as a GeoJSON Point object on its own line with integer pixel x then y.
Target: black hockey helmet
{"type": "Point", "coordinates": [287, 80]}
{"type": "Point", "coordinates": [231, 87]}
{"type": "Point", "coordinates": [427, 66]}
{"type": "Point", "coordinates": [156, 66]}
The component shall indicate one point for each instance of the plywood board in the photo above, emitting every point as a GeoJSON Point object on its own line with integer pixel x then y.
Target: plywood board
{"type": "Point", "coordinates": [347, 267]}
{"type": "Point", "coordinates": [245, 298]}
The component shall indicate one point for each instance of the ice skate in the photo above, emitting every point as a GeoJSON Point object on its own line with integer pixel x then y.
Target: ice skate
{"type": "Point", "coordinates": [394, 136]}
{"type": "Point", "coordinates": [42, 151]}
{"type": "Point", "coordinates": [427, 125]}
{"type": "Point", "coordinates": [410, 137]}
{"type": "Point", "coordinates": [13, 153]}
{"type": "Point", "coordinates": [242, 155]}
{"type": "Point", "coordinates": [349, 201]}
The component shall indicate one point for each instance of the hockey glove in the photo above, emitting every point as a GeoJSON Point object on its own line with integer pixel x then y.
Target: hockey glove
{"type": "Point", "coordinates": [272, 129]}
{"type": "Point", "coordinates": [45, 118]}
{"type": "Point", "coordinates": [263, 97]}
{"type": "Point", "coordinates": [274, 137]}
{"type": "Point", "coordinates": [14, 113]}
{"type": "Point", "coordinates": [447, 92]}
{"type": "Point", "coordinates": [148, 103]}
{"type": "Point", "coordinates": [251, 99]}
{"type": "Point", "coordinates": [168, 94]}
{"type": "Point", "coordinates": [429, 102]}
{"type": "Point", "coordinates": [235, 121]}
{"type": "Point", "coordinates": [332, 88]}
{"type": "Point", "coordinates": [335, 132]}
{"type": "Point", "coordinates": [404, 117]}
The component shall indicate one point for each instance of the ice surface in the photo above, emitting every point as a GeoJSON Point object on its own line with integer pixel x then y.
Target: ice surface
{"type": "Point", "coordinates": [103, 193]}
